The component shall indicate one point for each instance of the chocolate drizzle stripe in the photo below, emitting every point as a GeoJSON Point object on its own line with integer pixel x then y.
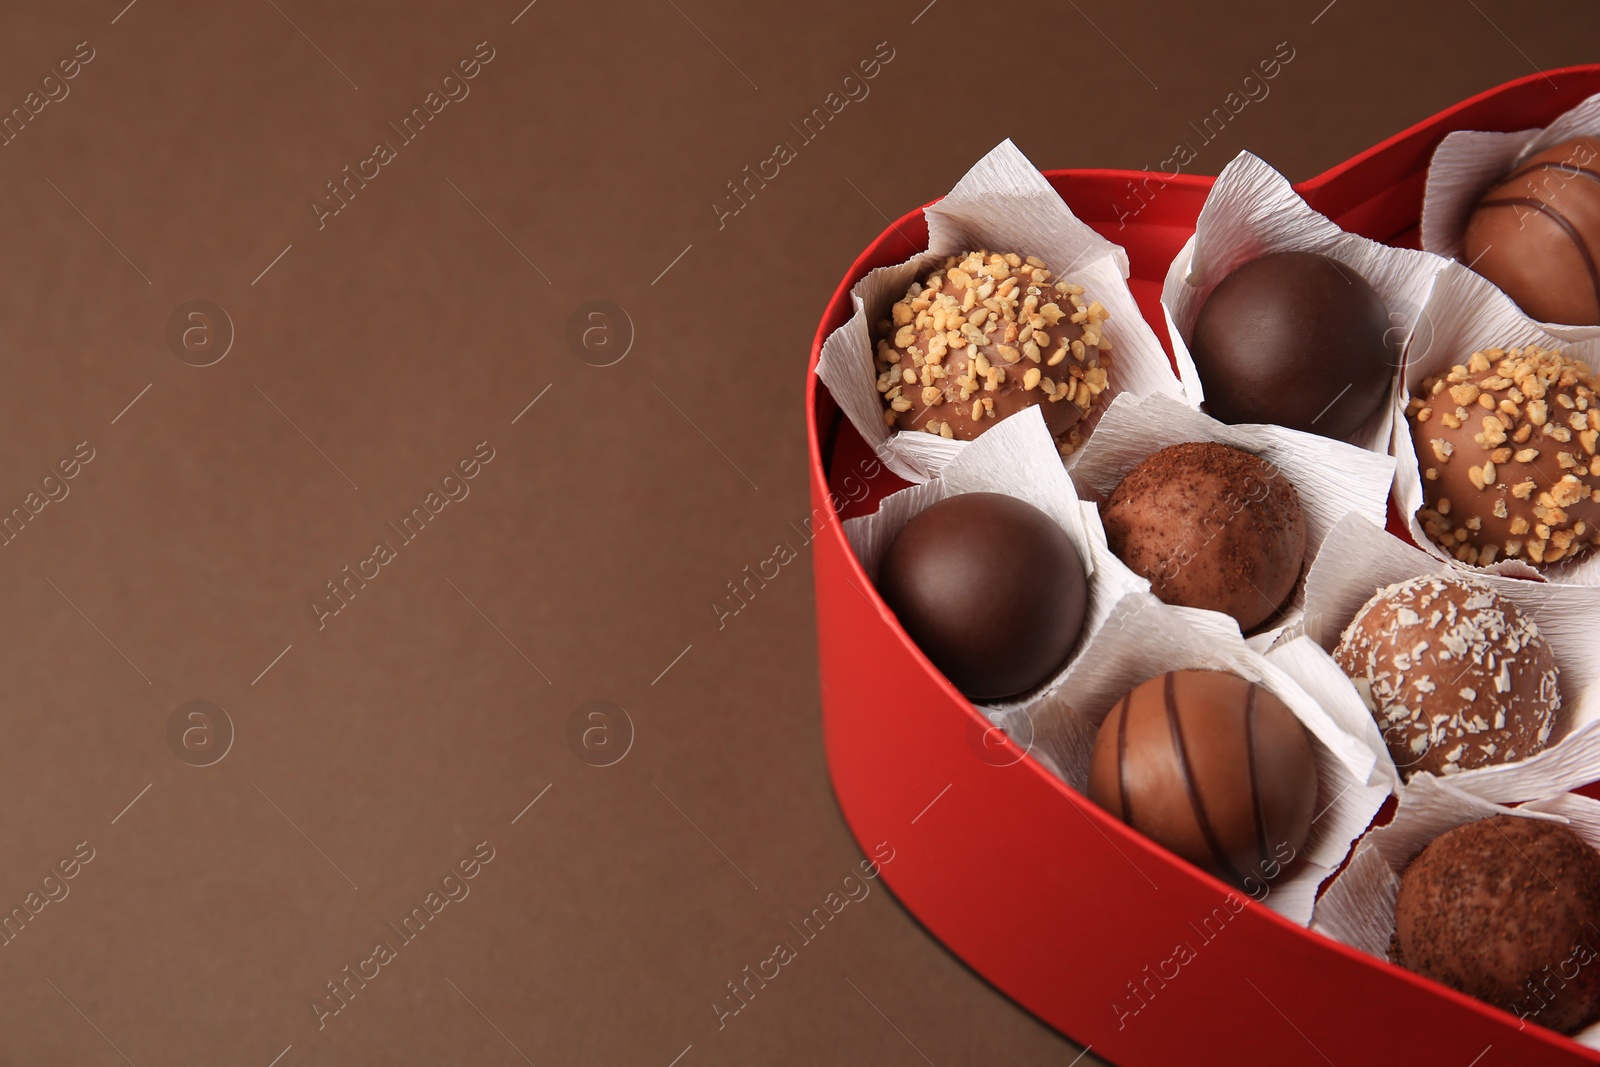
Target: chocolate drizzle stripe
{"type": "Point", "coordinates": [1550, 164]}
{"type": "Point", "coordinates": [1567, 228]}
{"type": "Point", "coordinates": [1124, 795]}
{"type": "Point", "coordinates": [1182, 755]}
{"type": "Point", "coordinates": [1255, 777]}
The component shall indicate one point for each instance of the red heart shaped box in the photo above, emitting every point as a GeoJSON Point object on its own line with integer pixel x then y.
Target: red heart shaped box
{"type": "Point", "coordinates": [1065, 909]}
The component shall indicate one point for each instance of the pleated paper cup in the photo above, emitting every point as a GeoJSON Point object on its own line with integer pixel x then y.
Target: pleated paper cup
{"type": "Point", "coordinates": [1003, 204]}
{"type": "Point", "coordinates": [1253, 210]}
{"type": "Point", "coordinates": [1464, 314]}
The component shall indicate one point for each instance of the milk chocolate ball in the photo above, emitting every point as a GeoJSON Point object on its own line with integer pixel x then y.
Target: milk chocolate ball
{"type": "Point", "coordinates": [1507, 910]}
{"type": "Point", "coordinates": [1211, 527]}
{"type": "Point", "coordinates": [1506, 446]}
{"type": "Point", "coordinates": [990, 588]}
{"type": "Point", "coordinates": [1213, 767]}
{"type": "Point", "coordinates": [985, 335]}
{"type": "Point", "coordinates": [1294, 338]}
{"type": "Point", "coordinates": [1455, 674]}
{"type": "Point", "coordinates": [1536, 234]}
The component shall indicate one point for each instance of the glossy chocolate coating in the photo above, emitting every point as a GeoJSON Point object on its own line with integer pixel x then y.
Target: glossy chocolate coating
{"type": "Point", "coordinates": [1297, 339]}
{"type": "Point", "coordinates": [1211, 527]}
{"type": "Point", "coordinates": [1507, 910]}
{"type": "Point", "coordinates": [1456, 676]}
{"type": "Point", "coordinates": [990, 588]}
{"type": "Point", "coordinates": [1211, 766]}
{"type": "Point", "coordinates": [1506, 444]}
{"type": "Point", "coordinates": [1536, 234]}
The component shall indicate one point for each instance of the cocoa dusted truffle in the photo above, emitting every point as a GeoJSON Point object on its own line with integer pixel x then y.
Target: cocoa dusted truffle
{"type": "Point", "coordinates": [1506, 445]}
{"type": "Point", "coordinates": [984, 336]}
{"type": "Point", "coordinates": [991, 590]}
{"type": "Point", "coordinates": [1536, 234]}
{"type": "Point", "coordinates": [1211, 527]}
{"type": "Point", "coordinates": [1211, 766]}
{"type": "Point", "coordinates": [1294, 338]}
{"type": "Point", "coordinates": [1507, 909]}
{"type": "Point", "coordinates": [1455, 674]}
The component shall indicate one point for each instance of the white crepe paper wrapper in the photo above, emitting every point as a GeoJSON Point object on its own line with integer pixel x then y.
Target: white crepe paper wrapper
{"type": "Point", "coordinates": [1333, 479]}
{"type": "Point", "coordinates": [1468, 162]}
{"type": "Point", "coordinates": [1358, 907]}
{"type": "Point", "coordinates": [1358, 559]}
{"type": "Point", "coordinates": [1003, 204]}
{"type": "Point", "coordinates": [1253, 210]}
{"type": "Point", "coordinates": [1144, 638]}
{"type": "Point", "coordinates": [1464, 314]}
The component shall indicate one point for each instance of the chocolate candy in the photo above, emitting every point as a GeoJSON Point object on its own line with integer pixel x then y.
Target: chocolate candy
{"type": "Point", "coordinates": [1297, 339]}
{"type": "Point", "coordinates": [1214, 767]}
{"type": "Point", "coordinates": [1456, 675]}
{"type": "Point", "coordinates": [1507, 910]}
{"type": "Point", "coordinates": [1506, 444]}
{"type": "Point", "coordinates": [991, 590]}
{"type": "Point", "coordinates": [1536, 234]}
{"type": "Point", "coordinates": [986, 335]}
{"type": "Point", "coordinates": [1211, 527]}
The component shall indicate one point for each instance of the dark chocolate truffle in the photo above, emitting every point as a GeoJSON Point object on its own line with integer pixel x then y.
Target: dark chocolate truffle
{"type": "Point", "coordinates": [1536, 234]}
{"type": "Point", "coordinates": [991, 590]}
{"type": "Point", "coordinates": [1294, 338]}
{"type": "Point", "coordinates": [1211, 527]}
{"type": "Point", "coordinates": [1506, 445]}
{"type": "Point", "coordinates": [986, 335]}
{"type": "Point", "coordinates": [1211, 766]}
{"type": "Point", "coordinates": [1507, 910]}
{"type": "Point", "coordinates": [1455, 674]}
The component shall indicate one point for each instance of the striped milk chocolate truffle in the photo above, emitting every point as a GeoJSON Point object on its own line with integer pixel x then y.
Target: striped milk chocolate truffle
{"type": "Point", "coordinates": [1211, 766]}
{"type": "Point", "coordinates": [1455, 674]}
{"type": "Point", "coordinates": [1536, 234]}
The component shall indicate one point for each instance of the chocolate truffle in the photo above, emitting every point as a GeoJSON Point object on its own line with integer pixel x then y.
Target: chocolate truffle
{"type": "Point", "coordinates": [1294, 338]}
{"type": "Point", "coordinates": [984, 336]}
{"type": "Point", "coordinates": [991, 590]}
{"type": "Point", "coordinates": [1506, 445]}
{"type": "Point", "coordinates": [1211, 766]}
{"type": "Point", "coordinates": [1507, 910]}
{"type": "Point", "coordinates": [1455, 674]}
{"type": "Point", "coordinates": [1211, 527]}
{"type": "Point", "coordinates": [1536, 234]}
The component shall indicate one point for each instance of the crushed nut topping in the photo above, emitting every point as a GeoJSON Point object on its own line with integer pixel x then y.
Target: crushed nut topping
{"type": "Point", "coordinates": [1528, 464]}
{"type": "Point", "coordinates": [967, 331]}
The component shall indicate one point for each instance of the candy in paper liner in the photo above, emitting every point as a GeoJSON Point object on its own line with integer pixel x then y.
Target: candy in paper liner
{"type": "Point", "coordinates": [1253, 210]}
{"type": "Point", "coordinates": [1468, 162]}
{"type": "Point", "coordinates": [1016, 457]}
{"type": "Point", "coordinates": [1466, 313]}
{"type": "Point", "coordinates": [1144, 638]}
{"type": "Point", "coordinates": [1358, 907]}
{"type": "Point", "coordinates": [1332, 478]}
{"type": "Point", "coordinates": [1358, 559]}
{"type": "Point", "coordinates": [1003, 204]}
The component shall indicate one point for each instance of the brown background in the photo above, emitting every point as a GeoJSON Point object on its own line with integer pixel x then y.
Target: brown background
{"type": "Point", "coordinates": [376, 353]}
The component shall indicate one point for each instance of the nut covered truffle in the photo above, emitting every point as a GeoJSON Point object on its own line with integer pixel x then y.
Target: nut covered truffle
{"type": "Point", "coordinates": [1506, 446]}
{"type": "Point", "coordinates": [1211, 766]}
{"type": "Point", "coordinates": [1211, 527]}
{"type": "Point", "coordinates": [984, 336]}
{"type": "Point", "coordinates": [1456, 675]}
{"type": "Point", "coordinates": [1507, 909]}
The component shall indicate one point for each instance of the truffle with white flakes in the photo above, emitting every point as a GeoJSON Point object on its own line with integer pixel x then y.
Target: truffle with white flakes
{"type": "Point", "coordinates": [1456, 676]}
